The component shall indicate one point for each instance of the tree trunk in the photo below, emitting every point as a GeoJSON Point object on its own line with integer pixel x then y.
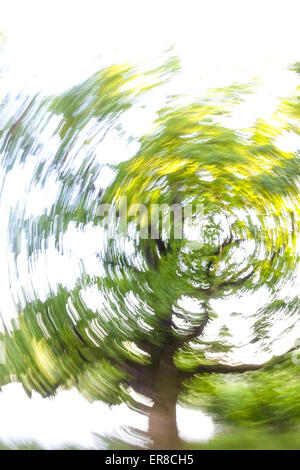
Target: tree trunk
{"type": "Point", "coordinates": [163, 429]}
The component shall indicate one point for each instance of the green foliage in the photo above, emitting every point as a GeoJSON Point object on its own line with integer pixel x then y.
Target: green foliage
{"type": "Point", "coordinates": [240, 439]}
{"type": "Point", "coordinates": [255, 400]}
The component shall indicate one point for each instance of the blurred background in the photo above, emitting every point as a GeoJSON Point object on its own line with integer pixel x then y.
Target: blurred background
{"type": "Point", "coordinates": [168, 102]}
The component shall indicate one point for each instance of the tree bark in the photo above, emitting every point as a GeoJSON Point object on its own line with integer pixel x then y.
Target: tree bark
{"type": "Point", "coordinates": [163, 430]}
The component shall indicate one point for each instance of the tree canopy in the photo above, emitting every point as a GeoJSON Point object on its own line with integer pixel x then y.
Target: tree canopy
{"type": "Point", "coordinates": [146, 320]}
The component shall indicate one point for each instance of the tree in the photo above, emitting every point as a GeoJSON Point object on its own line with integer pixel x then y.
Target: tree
{"type": "Point", "coordinates": [153, 329]}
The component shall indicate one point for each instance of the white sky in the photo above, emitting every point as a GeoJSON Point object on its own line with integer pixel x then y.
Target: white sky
{"type": "Point", "coordinates": [59, 39]}
{"type": "Point", "coordinates": [59, 42]}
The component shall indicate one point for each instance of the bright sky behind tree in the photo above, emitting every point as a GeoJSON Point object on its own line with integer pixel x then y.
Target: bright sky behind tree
{"type": "Point", "coordinates": [51, 45]}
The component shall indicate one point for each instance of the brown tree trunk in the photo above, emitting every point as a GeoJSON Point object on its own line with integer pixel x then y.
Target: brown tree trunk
{"type": "Point", "coordinates": [163, 429]}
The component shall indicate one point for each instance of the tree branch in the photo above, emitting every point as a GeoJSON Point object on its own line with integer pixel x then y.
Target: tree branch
{"type": "Point", "coordinates": [228, 369]}
{"type": "Point", "coordinates": [237, 282]}
{"type": "Point", "coordinates": [240, 368]}
{"type": "Point", "coordinates": [199, 329]}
